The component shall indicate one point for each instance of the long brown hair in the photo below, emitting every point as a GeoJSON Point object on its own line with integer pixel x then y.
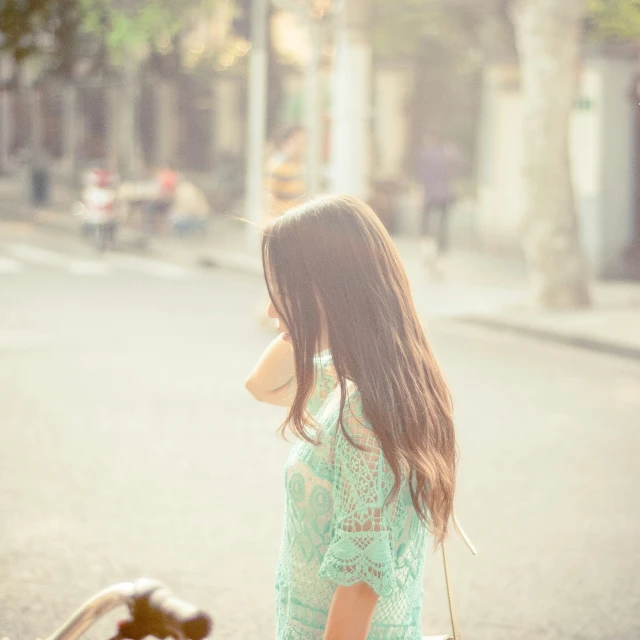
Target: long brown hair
{"type": "Point", "coordinates": [331, 263]}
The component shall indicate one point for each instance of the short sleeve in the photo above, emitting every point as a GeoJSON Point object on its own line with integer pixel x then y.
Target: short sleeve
{"type": "Point", "coordinates": [362, 542]}
{"type": "Point", "coordinates": [325, 381]}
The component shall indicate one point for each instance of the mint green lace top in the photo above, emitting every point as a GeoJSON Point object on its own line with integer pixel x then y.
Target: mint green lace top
{"type": "Point", "coordinates": [337, 530]}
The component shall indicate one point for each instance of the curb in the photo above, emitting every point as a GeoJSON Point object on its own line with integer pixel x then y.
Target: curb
{"type": "Point", "coordinates": [238, 262]}
{"type": "Point", "coordinates": [555, 337]}
{"type": "Point", "coordinates": [234, 261]}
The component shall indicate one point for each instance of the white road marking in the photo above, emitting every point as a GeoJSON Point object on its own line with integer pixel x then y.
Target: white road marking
{"type": "Point", "coordinates": [48, 258]}
{"type": "Point", "coordinates": [30, 254]}
{"type": "Point", "coordinates": [89, 268]}
{"type": "Point", "coordinates": [36, 255]}
{"type": "Point", "coordinates": [151, 267]}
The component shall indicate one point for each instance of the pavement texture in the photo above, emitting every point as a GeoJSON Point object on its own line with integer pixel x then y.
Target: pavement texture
{"type": "Point", "coordinates": [131, 448]}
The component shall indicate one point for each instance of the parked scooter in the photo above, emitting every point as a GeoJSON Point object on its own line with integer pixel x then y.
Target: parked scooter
{"type": "Point", "coordinates": [99, 208]}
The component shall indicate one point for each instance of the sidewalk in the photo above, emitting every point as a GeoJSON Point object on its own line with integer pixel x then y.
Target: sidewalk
{"type": "Point", "coordinates": [479, 288]}
{"type": "Point", "coordinates": [14, 196]}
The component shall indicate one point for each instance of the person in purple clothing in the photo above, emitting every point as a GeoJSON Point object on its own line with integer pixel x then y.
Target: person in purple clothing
{"type": "Point", "coordinates": [437, 166]}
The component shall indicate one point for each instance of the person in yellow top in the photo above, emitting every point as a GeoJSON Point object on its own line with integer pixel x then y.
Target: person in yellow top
{"type": "Point", "coordinates": [285, 186]}
{"type": "Point", "coordinates": [285, 183]}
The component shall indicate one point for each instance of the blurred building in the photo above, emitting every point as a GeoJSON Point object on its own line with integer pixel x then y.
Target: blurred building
{"type": "Point", "coordinates": [605, 155]}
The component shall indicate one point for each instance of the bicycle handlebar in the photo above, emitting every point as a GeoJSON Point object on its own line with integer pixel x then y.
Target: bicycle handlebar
{"type": "Point", "coordinates": [155, 611]}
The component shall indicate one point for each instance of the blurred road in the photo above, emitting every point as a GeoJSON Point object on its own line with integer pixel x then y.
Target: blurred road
{"type": "Point", "coordinates": [129, 448]}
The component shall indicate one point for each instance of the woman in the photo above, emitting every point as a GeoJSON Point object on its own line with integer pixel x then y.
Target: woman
{"type": "Point", "coordinates": [374, 467]}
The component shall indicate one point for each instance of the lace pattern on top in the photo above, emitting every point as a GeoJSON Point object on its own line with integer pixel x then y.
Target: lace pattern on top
{"type": "Point", "coordinates": [338, 529]}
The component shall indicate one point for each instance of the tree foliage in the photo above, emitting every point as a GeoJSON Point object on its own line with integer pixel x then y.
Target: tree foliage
{"type": "Point", "coordinates": [126, 25]}
{"type": "Point", "coordinates": [55, 27]}
{"type": "Point", "coordinates": [34, 26]}
{"type": "Point", "coordinates": [20, 22]}
{"type": "Point", "coordinates": [616, 19]}
{"type": "Point", "coordinates": [129, 25]}
{"type": "Point", "coordinates": [401, 26]}
{"type": "Point", "coordinates": [49, 28]}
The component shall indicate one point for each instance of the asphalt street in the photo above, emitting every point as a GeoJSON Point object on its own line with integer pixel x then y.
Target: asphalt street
{"type": "Point", "coordinates": [131, 448]}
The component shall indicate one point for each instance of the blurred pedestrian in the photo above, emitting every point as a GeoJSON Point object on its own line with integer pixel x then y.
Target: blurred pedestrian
{"type": "Point", "coordinates": [373, 473]}
{"type": "Point", "coordinates": [156, 211]}
{"type": "Point", "coordinates": [190, 209]}
{"type": "Point", "coordinates": [285, 182]}
{"type": "Point", "coordinates": [437, 166]}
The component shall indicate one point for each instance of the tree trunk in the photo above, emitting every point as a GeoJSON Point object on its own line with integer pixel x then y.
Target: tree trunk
{"type": "Point", "coordinates": [6, 124]}
{"type": "Point", "coordinates": [227, 122]}
{"type": "Point", "coordinates": [113, 127]}
{"type": "Point", "coordinates": [35, 125]}
{"type": "Point", "coordinates": [548, 37]}
{"type": "Point", "coordinates": [166, 129]}
{"type": "Point", "coordinates": [71, 132]}
{"type": "Point", "coordinates": [131, 149]}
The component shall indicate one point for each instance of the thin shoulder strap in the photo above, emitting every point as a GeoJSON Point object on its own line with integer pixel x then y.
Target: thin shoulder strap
{"type": "Point", "coordinates": [452, 611]}
{"type": "Point", "coordinates": [464, 536]}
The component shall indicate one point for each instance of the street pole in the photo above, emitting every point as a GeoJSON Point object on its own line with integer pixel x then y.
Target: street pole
{"type": "Point", "coordinates": [256, 116]}
{"type": "Point", "coordinates": [351, 102]}
{"type": "Point", "coordinates": [313, 120]}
